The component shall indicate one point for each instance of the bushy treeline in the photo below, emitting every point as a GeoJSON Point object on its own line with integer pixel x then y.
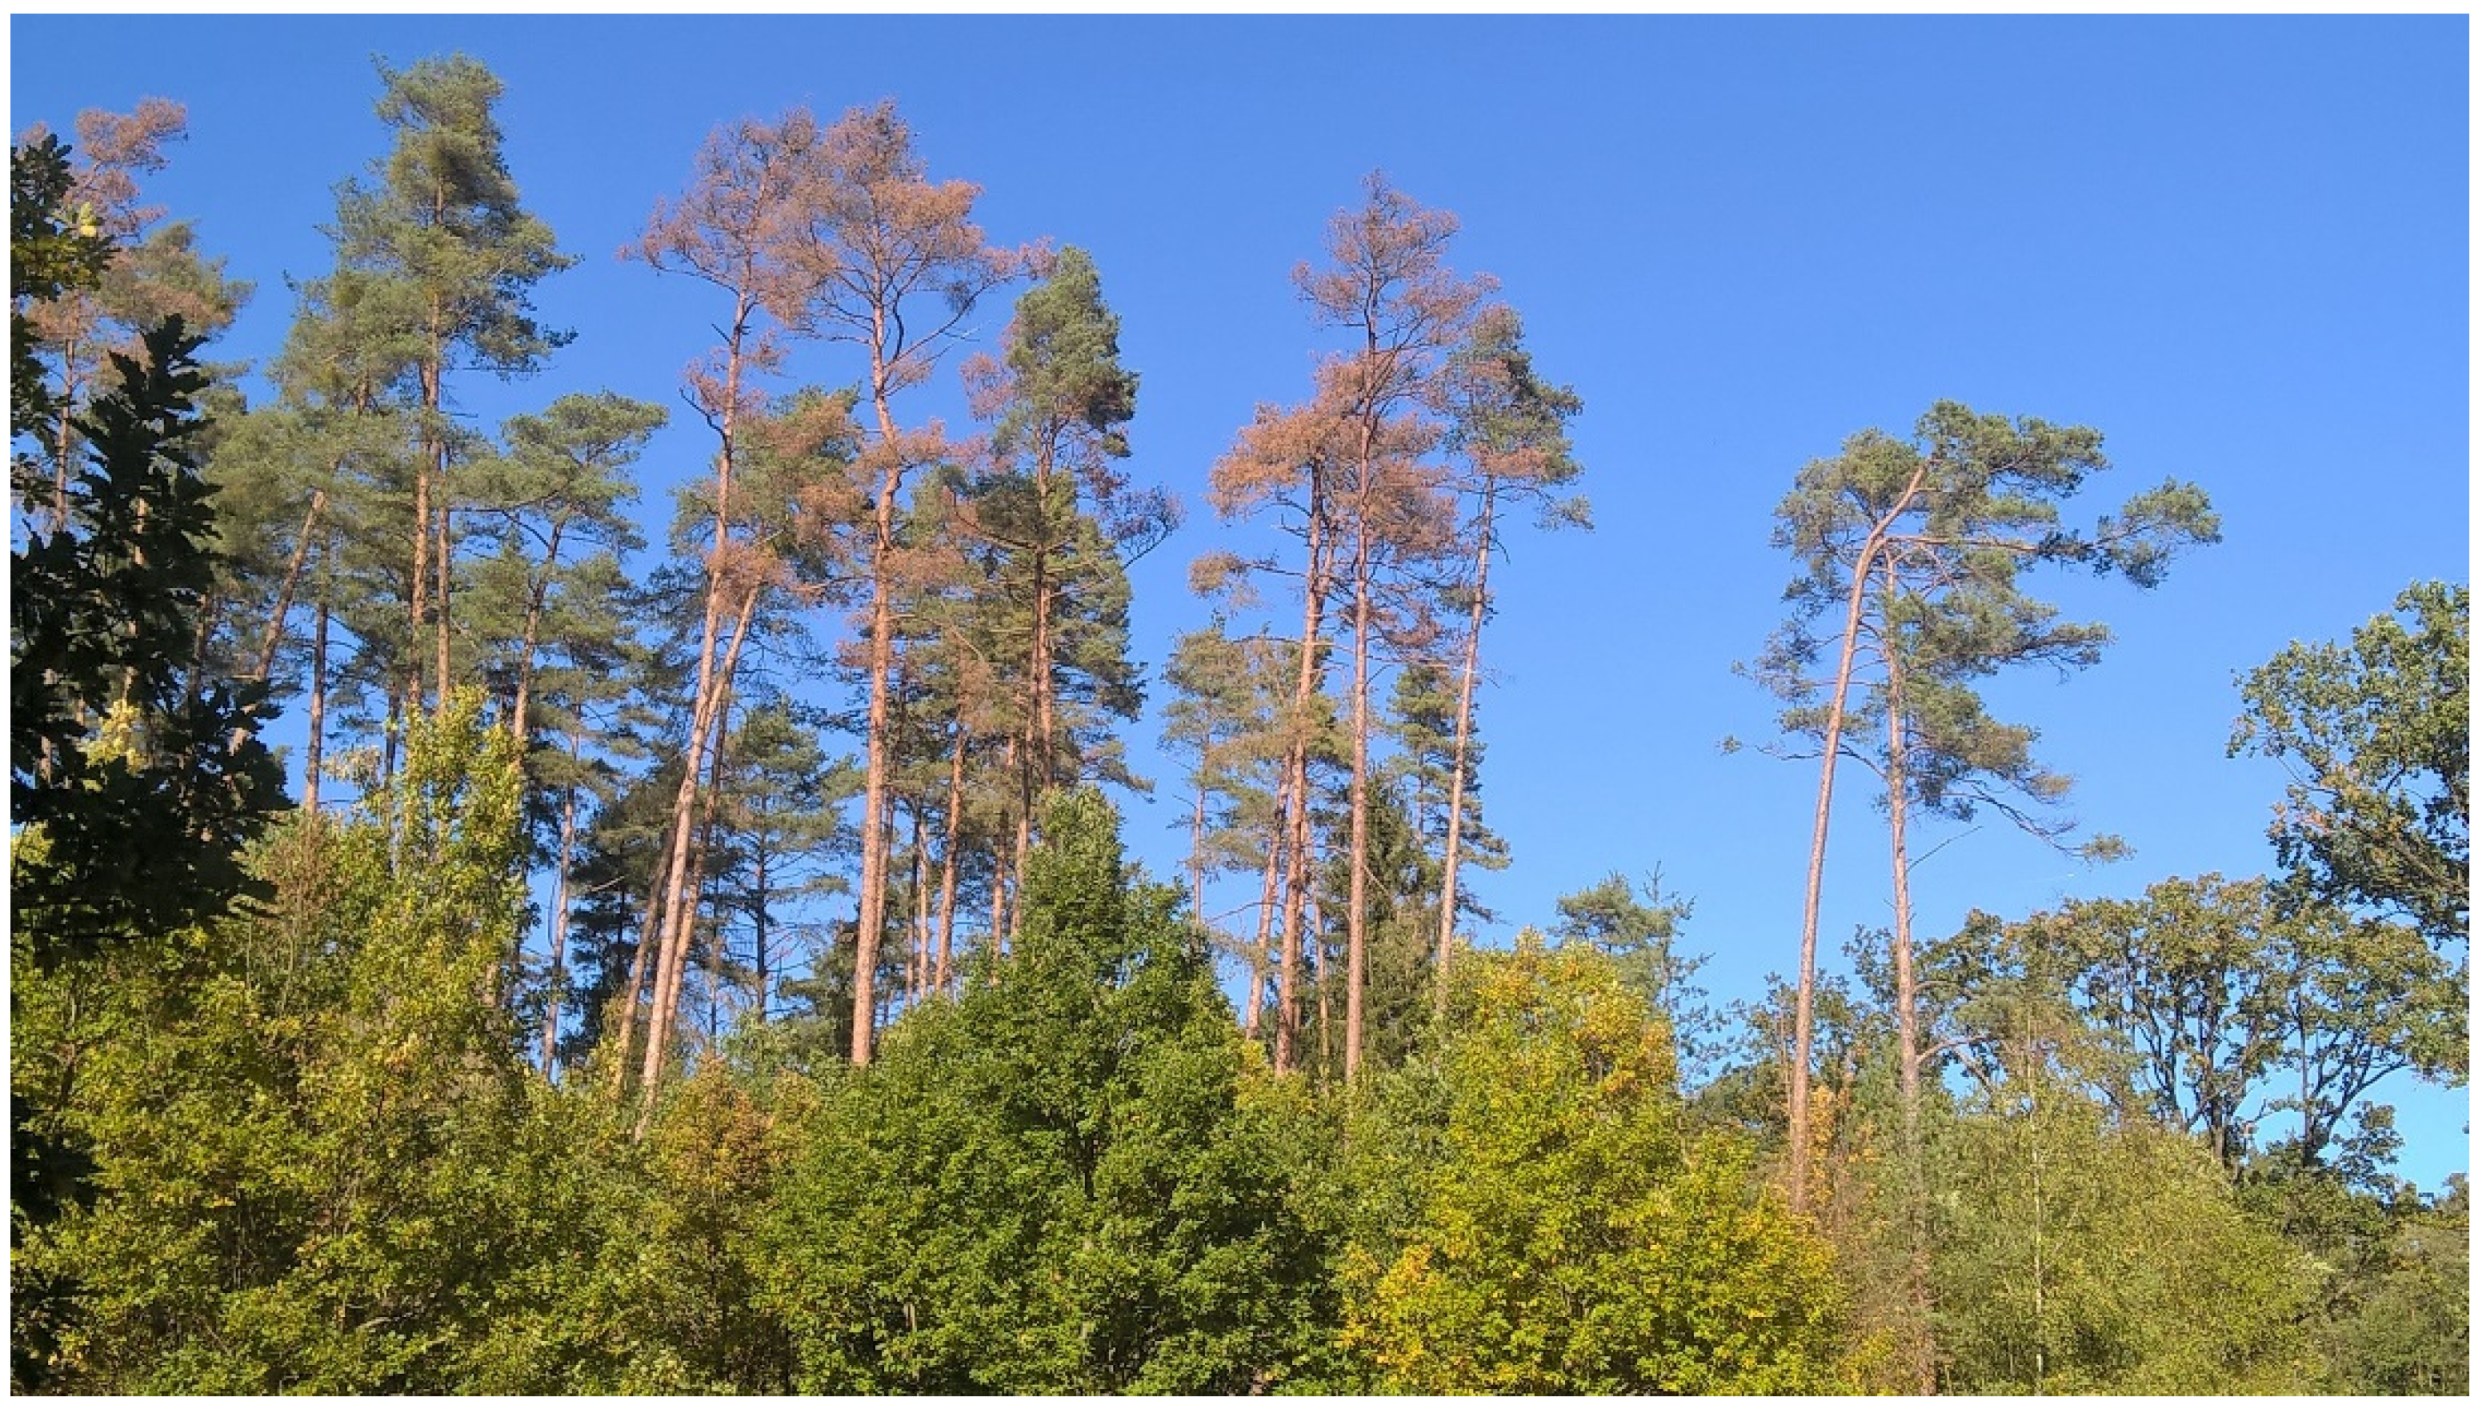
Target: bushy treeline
{"type": "Point", "coordinates": [321, 1162]}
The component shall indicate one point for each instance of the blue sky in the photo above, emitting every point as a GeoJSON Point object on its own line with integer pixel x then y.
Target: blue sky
{"type": "Point", "coordinates": [2239, 247]}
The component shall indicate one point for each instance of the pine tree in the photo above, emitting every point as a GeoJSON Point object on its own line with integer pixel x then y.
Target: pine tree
{"type": "Point", "coordinates": [440, 260]}
{"type": "Point", "coordinates": [892, 264]}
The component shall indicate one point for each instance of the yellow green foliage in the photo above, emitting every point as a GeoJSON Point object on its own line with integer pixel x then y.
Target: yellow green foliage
{"type": "Point", "coordinates": [1538, 1222]}
{"type": "Point", "coordinates": [2077, 1257]}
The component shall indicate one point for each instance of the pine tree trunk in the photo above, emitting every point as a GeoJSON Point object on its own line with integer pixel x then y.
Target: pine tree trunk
{"type": "Point", "coordinates": [648, 935]}
{"type": "Point", "coordinates": [1355, 967]}
{"type": "Point", "coordinates": [1303, 712]}
{"type": "Point", "coordinates": [998, 867]}
{"type": "Point", "coordinates": [1450, 890]}
{"type": "Point", "coordinates": [873, 817]}
{"type": "Point", "coordinates": [680, 923]}
{"type": "Point", "coordinates": [665, 900]}
{"type": "Point", "coordinates": [1015, 880]}
{"type": "Point", "coordinates": [679, 914]}
{"type": "Point", "coordinates": [64, 437]}
{"type": "Point", "coordinates": [1835, 715]}
{"type": "Point", "coordinates": [874, 806]}
{"type": "Point", "coordinates": [434, 477]}
{"type": "Point", "coordinates": [916, 963]}
{"type": "Point", "coordinates": [714, 947]}
{"type": "Point", "coordinates": [445, 560]}
{"type": "Point", "coordinates": [1804, 1038]}
{"type": "Point", "coordinates": [420, 602]}
{"type": "Point", "coordinates": [1906, 1011]}
{"type": "Point", "coordinates": [1324, 992]}
{"type": "Point", "coordinates": [953, 862]}
{"type": "Point", "coordinates": [273, 639]}
{"type": "Point", "coordinates": [1045, 724]}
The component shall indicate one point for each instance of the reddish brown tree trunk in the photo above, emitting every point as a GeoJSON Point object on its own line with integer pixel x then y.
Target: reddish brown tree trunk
{"type": "Point", "coordinates": [1044, 721]}
{"type": "Point", "coordinates": [953, 861]}
{"type": "Point", "coordinates": [704, 731]}
{"type": "Point", "coordinates": [648, 935]}
{"type": "Point", "coordinates": [688, 898]}
{"type": "Point", "coordinates": [666, 897]}
{"type": "Point", "coordinates": [420, 602]}
{"type": "Point", "coordinates": [1301, 869]}
{"type": "Point", "coordinates": [273, 638]}
{"type": "Point", "coordinates": [916, 964]}
{"type": "Point", "coordinates": [873, 854]}
{"type": "Point", "coordinates": [1906, 1011]}
{"type": "Point", "coordinates": [1355, 964]}
{"type": "Point", "coordinates": [1804, 1037]}
{"type": "Point", "coordinates": [445, 560]}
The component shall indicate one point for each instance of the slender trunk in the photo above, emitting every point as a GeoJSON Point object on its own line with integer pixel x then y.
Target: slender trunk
{"type": "Point", "coordinates": [999, 870]}
{"type": "Point", "coordinates": [874, 801]}
{"type": "Point", "coordinates": [1804, 1039]}
{"type": "Point", "coordinates": [873, 814]}
{"type": "Point", "coordinates": [520, 714]}
{"type": "Point", "coordinates": [273, 638]}
{"type": "Point", "coordinates": [1324, 993]}
{"type": "Point", "coordinates": [952, 861]}
{"type": "Point", "coordinates": [674, 868]}
{"type": "Point", "coordinates": [1355, 966]}
{"type": "Point", "coordinates": [669, 895]}
{"type": "Point", "coordinates": [64, 438]}
{"type": "Point", "coordinates": [445, 560]}
{"type": "Point", "coordinates": [1303, 712]}
{"type": "Point", "coordinates": [916, 965]}
{"type": "Point", "coordinates": [1450, 889]}
{"type": "Point", "coordinates": [434, 464]}
{"type": "Point", "coordinates": [1027, 798]}
{"type": "Point", "coordinates": [1834, 717]}
{"type": "Point", "coordinates": [997, 905]}
{"type": "Point", "coordinates": [704, 731]}
{"type": "Point", "coordinates": [649, 932]}
{"type": "Point", "coordinates": [680, 922]}
{"type": "Point", "coordinates": [313, 756]}
{"type": "Point", "coordinates": [1906, 1011]}
{"type": "Point", "coordinates": [559, 921]}
{"type": "Point", "coordinates": [419, 595]}
{"type": "Point", "coordinates": [714, 947]}
{"type": "Point", "coordinates": [1015, 878]}
{"type": "Point", "coordinates": [1044, 722]}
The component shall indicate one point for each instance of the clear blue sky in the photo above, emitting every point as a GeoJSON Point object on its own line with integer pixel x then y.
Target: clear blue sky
{"type": "Point", "coordinates": [2237, 246]}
